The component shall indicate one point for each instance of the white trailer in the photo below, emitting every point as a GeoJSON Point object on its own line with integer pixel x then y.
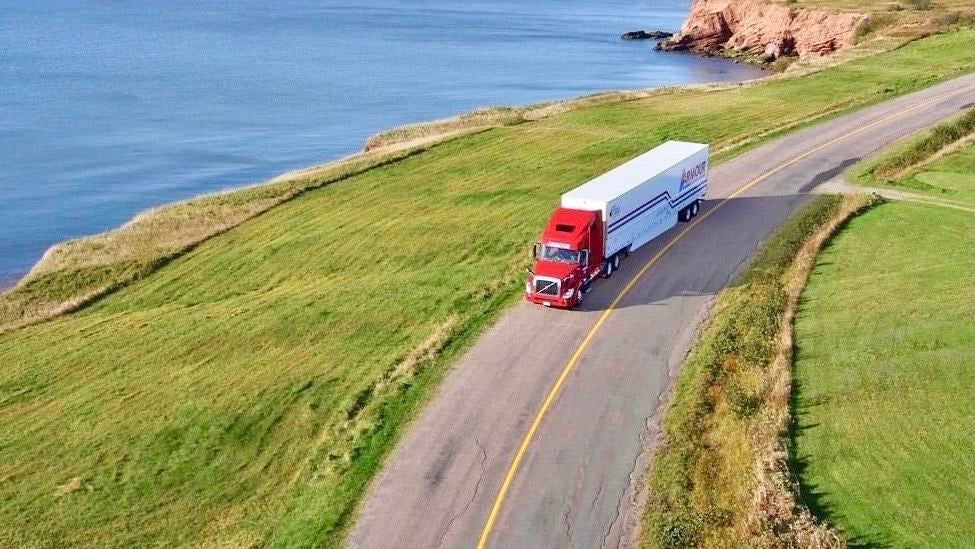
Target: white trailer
{"type": "Point", "coordinates": [646, 196]}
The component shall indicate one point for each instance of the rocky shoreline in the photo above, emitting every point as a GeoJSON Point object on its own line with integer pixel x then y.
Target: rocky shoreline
{"type": "Point", "coordinates": [763, 30]}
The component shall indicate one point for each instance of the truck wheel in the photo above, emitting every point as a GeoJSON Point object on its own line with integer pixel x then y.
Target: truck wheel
{"type": "Point", "coordinates": [616, 262]}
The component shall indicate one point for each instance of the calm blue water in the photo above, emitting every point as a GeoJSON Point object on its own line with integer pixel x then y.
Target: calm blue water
{"type": "Point", "coordinates": [110, 107]}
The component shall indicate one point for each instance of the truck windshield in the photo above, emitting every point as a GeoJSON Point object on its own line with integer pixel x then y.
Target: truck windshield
{"type": "Point", "coordinates": [551, 253]}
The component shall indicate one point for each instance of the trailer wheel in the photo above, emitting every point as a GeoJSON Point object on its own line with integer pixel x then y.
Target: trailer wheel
{"type": "Point", "coordinates": [695, 208]}
{"type": "Point", "coordinates": [684, 214]}
{"type": "Point", "coordinates": [615, 261]}
{"type": "Point", "coordinates": [608, 269]}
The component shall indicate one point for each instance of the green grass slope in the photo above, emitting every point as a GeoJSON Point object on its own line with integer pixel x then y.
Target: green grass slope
{"type": "Point", "coordinates": [246, 392]}
{"type": "Point", "coordinates": [947, 178]}
{"type": "Point", "coordinates": [921, 164]}
{"type": "Point", "coordinates": [884, 442]}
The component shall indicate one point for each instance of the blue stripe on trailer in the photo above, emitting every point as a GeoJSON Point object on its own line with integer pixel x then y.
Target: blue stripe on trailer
{"type": "Point", "coordinates": [653, 202]}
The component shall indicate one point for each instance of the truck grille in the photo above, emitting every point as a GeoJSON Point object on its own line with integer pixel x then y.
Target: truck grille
{"type": "Point", "coordinates": [546, 287]}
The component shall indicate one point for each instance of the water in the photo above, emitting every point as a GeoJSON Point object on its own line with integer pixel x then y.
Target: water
{"type": "Point", "coordinates": [110, 107]}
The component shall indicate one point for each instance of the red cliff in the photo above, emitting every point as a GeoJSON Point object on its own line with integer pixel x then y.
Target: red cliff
{"type": "Point", "coordinates": [764, 29]}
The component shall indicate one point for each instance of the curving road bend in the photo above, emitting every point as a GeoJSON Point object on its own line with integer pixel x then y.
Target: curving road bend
{"type": "Point", "coordinates": [572, 484]}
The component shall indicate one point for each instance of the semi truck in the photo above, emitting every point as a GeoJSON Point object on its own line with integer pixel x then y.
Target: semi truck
{"type": "Point", "coordinates": [600, 222]}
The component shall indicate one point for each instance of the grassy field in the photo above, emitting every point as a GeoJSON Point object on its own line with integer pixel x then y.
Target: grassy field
{"type": "Point", "coordinates": [885, 435]}
{"type": "Point", "coordinates": [246, 391]}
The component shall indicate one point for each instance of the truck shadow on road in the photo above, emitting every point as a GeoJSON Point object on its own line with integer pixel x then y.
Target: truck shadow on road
{"type": "Point", "coordinates": [826, 175]}
{"type": "Point", "coordinates": [702, 260]}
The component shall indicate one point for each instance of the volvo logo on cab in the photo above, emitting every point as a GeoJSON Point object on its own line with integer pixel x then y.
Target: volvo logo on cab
{"type": "Point", "coordinates": [690, 175]}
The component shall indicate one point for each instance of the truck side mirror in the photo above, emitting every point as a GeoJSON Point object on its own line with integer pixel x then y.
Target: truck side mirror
{"type": "Point", "coordinates": [536, 250]}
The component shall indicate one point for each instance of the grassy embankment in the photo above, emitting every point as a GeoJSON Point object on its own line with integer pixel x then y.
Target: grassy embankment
{"type": "Point", "coordinates": [935, 164]}
{"type": "Point", "coordinates": [720, 478]}
{"type": "Point", "coordinates": [74, 273]}
{"type": "Point", "coordinates": [885, 435]}
{"type": "Point", "coordinates": [246, 391]}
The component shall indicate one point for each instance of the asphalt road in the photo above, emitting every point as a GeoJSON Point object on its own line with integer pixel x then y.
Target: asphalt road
{"type": "Point", "coordinates": [572, 484]}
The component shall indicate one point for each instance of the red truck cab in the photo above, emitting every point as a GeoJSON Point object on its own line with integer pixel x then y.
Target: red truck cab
{"type": "Point", "coordinates": [568, 258]}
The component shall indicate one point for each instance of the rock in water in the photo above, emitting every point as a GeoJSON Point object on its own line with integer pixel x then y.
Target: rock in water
{"type": "Point", "coordinates": [645, 35]}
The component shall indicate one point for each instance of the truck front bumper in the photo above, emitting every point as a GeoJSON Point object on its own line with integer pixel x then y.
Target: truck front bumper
{"type": "Point", "coordinates": [556, 301]}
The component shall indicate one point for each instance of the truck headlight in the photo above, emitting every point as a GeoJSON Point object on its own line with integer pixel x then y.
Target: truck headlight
{"type": "Point", "coordinates": [569, 293]}
{"type": "Point", "coordinates": [528, 287]}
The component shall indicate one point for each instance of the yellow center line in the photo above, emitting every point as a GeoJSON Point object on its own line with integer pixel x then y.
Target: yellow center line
{"type": "Point", "coordinates": [520, 454]}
